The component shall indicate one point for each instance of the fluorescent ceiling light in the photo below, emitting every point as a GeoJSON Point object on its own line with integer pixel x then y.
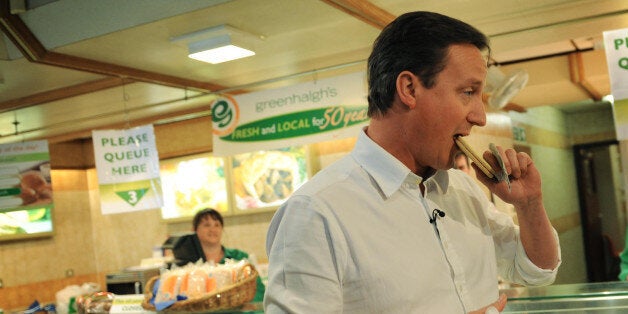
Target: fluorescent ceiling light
{"type": "Point", "coordinates": [217, 50]}
{"type": "Point", "coordinates": [218, 44]}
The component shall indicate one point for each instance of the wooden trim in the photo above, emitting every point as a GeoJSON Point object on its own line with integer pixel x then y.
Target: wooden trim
{"type": "Point", "coordinates": [364, 10]}
{"type": "Point", "coordinates": [34, 51]}
{"type": "Point", "coordinates": [578, 75]}
{"type": "Point", "coordinates": [538, 136]}
{"type": "Point", "coordinates": [88, 65]}
{"type": "Point", "coordinates": [19, 34]}
{"type": "Point", "coordinates": [87, 134]}
{"type": "Point", "coordinates": [514, 107]}
{"type": "Point", "coordinates": [62, 93]}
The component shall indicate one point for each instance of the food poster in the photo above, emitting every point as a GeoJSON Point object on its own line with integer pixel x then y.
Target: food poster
{"type": "Point", "coordinates": [267, 178]}
{"type": "Point", "coordinates": [616, 46]}
{"type": "Point", "coordinates": [193, 183]}
{"type": "Point", "coordinates": [317, 111]}
{"type": "Point", "coordinates": [25, 190]}
{"type": "Point", "coordinates": [127, 164]}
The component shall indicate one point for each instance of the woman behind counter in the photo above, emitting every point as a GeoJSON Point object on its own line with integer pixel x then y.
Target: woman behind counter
{"type": "Point", "coordinates": [206, 244]}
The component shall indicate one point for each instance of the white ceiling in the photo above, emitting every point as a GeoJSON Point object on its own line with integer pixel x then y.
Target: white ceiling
{"type": "Point", "coordinates": [101, 64]}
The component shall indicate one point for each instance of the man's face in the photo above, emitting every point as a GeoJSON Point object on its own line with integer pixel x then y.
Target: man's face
{"type": "Point", "coordinates": [451, 107]}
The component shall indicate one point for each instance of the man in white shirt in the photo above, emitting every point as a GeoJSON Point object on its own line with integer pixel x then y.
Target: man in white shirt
{"type": "Point", "coordinates": [391, 228]}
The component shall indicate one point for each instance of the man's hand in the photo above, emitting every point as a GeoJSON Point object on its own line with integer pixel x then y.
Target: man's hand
{"type": "Point", "coordinates": [536, 232]}
{"type": "Point", "coordinates": [525, 179]}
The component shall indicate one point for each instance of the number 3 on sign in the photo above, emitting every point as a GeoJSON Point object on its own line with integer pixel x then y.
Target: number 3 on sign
{"type": "Point", "coordinates": [132, 196]}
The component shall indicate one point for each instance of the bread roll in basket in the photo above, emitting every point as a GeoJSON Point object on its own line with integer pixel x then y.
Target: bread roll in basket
{"type": "Point", "coordinates": [225, 298]}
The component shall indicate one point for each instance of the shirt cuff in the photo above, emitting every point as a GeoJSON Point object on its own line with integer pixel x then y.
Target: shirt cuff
{"type": "Point", "coordinates": [532, 274]}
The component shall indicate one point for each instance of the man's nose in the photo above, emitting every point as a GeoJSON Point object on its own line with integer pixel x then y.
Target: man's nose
{"type": "Point", "coordinates": [477, 115]}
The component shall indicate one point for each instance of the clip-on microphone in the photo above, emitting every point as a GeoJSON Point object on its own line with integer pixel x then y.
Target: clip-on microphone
{"type": "Point", "coordinates": [435, 214]}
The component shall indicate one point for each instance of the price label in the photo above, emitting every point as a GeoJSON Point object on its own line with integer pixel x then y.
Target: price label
{"type": "Point", "coordinates": [128, 303]}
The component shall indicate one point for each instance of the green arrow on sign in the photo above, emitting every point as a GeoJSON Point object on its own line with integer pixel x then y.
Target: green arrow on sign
{"type": "Point", "coordinates": [132, 196]}
{"type": "Point", "coordinates": [10, 191]}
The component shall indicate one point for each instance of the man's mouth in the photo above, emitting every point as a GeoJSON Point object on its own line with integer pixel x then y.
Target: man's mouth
{"type": "Point", "coordinates": [459, 135]}
{"type": "Point", "coordinates": [475, 157]}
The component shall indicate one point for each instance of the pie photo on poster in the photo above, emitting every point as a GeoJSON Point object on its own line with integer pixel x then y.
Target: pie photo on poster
{"type": "Point", "coordinates": [267, 178]}
{"type": "Point", "coordinates": [193, 183]}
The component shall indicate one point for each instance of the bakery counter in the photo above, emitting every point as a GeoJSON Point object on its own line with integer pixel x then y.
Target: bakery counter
{"type": "Point", "coordinates": [603, 297]}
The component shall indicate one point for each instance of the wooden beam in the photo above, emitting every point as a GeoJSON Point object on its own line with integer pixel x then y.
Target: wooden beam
{"type": "Point", "coordinates": [62, 93]}
{"type": "Point", "coordinates": [511, 106]}
{"type": "Point", "coordinates": [34, 51]}
{"type": "Point", "coordinates": [578, 76]}
{"type": "Point", "coordinates": [87, 133]}
{"type": "Point", "coordinates": [98, 67]}
{"type": "Point", "coordinates": [364, 10]}
{"type": "Point", "coordinates": [19, 34]}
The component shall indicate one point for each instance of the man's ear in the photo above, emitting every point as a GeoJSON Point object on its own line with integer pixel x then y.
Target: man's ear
{"type": "Point", "coordinates": [407, 85]}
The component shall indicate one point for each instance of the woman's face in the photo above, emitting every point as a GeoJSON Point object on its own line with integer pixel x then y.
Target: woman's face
{"type": "Point", "coordinates": [209, 231]}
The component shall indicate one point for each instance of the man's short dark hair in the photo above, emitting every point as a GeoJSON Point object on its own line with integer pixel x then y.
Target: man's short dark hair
{"type": "Point", "coordinates": [417, 42]}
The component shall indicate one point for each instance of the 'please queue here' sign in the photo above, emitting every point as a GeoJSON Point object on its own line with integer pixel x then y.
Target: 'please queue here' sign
{"type": "Point", "coordinates": [127, 164]}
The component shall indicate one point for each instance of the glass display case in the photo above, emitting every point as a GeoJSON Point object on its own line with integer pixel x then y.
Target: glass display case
{"type": "Point", "coordinates": [602, 297]}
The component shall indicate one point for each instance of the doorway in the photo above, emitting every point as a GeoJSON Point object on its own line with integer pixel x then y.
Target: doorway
{"type": "Point", "coordinates": [603, 219]}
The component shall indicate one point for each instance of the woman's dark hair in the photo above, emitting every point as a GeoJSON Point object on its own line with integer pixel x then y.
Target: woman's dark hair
{"type": "Point", "coordinates": [203, 213]}
{"type": "Point", "coordinates": [417, 42]}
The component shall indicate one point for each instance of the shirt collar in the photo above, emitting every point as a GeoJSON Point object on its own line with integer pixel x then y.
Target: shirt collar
{"type": "Point", "coordinates": [387, 171]}
{"type": "Point", "coordinates": [441, 178]}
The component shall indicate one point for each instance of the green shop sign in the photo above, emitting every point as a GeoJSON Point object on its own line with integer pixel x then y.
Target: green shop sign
{"type": "Point", "coordinates": [298, 124]}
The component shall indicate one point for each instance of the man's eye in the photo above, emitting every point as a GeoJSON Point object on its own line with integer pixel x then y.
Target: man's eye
{"type": "Point", "coordinates": [470, 91]}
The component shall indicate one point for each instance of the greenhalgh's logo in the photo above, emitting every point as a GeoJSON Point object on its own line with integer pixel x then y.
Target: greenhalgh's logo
{"type": "Point", "coordinates": [298, 124]}
{"type": "Point", "coordinates": [225, 115]}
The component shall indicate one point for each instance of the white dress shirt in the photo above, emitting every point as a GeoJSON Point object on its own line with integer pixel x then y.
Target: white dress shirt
{"type": "Point", "coordinates": [356, 238]}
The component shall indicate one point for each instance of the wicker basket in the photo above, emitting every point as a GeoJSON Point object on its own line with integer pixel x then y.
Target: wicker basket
{"type": "Point", "coordinates": [229, 297]}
